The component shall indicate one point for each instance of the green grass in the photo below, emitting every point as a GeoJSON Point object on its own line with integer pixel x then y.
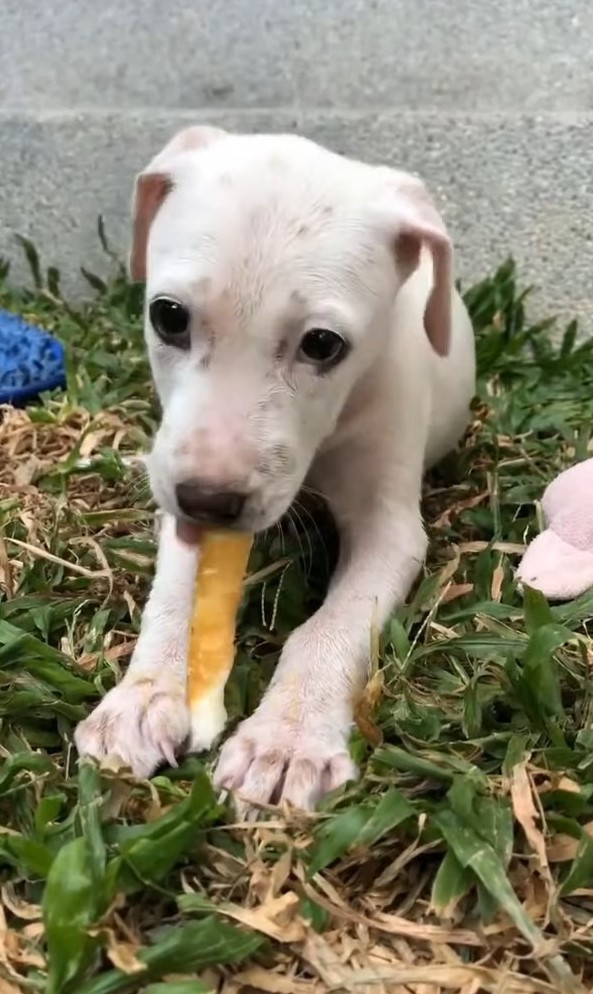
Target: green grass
{"type": "Point", "coordinates": [463, 856]}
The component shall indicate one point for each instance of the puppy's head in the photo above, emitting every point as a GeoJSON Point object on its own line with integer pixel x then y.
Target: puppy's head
{"type": "Point", "coordinates": [271, 268]}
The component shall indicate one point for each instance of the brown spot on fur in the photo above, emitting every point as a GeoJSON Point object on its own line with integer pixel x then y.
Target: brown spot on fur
{"type": "Point", "coordinates": [303, 229]}
{"type": "Point", "coordinates": [281, 349]}
{"type": "Point", "coordinates": [218, 316]}
{"type": "Point", "coordinates": [297, 298]}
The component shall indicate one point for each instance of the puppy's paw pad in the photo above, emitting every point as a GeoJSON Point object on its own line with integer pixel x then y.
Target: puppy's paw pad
{"type": "Point", "coordinates": [142, 723]}
{"type": "Point", "coordinates": [297, 766]}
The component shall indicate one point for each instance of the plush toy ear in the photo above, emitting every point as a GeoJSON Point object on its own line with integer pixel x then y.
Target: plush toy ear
{"type": "Point", "coordinates": [153, 184]}
{"type": "Point", "coordinates": [556, 568]}
{"type": "Point", "coordinates": [419, 223]}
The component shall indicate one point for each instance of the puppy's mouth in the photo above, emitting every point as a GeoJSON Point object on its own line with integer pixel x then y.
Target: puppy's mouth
{"type": "Point", "coordinates": [253, 519]}
{"type": "Point", "coordinates": [311, 509]}
{"type": "Point", "coordinates": [191, 532]}
{"type": "Point", "coordinates": [197, 510]}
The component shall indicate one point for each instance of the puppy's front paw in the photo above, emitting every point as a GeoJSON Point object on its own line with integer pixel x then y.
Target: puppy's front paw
{"type": "Point", "coordinates": [142, 723]}
{"type": "Point", "coordinates": [270, 760]}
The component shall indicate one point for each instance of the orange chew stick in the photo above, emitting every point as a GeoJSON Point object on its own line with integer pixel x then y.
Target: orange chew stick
{"type": "Point", "coordinates": [223, 559]}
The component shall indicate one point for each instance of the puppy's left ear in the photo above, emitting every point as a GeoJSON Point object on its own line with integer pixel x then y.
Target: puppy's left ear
{"type": "Point", "coordinates": [154, 183]}
{"type": "Point", "coordinates": [417, 223]}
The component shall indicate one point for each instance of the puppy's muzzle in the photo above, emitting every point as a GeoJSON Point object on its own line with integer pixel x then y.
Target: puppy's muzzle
{"type": "Point", "coordinates": [204, 504]}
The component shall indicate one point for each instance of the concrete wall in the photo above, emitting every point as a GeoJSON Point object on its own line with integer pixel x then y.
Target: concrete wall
{"type": "Point", "coordinates": [491, 103]}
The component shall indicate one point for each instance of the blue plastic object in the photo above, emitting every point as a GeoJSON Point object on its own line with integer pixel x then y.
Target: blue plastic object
{"type": "Point", "coordinates": [31, 361]}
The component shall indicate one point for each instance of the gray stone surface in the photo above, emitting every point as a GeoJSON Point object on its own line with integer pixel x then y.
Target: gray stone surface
{"type": "Point", "coordinates": [186, 54]}
{"type": "Point", "coordinates": [491, 103]}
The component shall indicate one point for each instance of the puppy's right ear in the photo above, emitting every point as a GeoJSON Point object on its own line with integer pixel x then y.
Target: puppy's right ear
{"type": "Point", "coordinates": [154, 183]}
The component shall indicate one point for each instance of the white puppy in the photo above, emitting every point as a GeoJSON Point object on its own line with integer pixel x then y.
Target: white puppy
{"type": "Point", "coordinates": [302, 325]}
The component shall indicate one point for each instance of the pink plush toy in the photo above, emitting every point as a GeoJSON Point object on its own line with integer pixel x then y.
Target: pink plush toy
{"type": "Point", "coordinates": [559, 562]}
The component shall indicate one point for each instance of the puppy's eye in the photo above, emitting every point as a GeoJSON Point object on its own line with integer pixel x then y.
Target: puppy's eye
{"type": "Point", "coordinates": [322, 347]}
{"type": "Point", "coordinates": [171, 321]}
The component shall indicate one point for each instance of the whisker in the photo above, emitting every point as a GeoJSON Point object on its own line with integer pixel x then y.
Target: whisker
{"type": "Point", "coordinates": [318, 532]}
{"type": "Point", "coordinates": [306, 489]}
{"type": "Point", "coordinates": [282, 537]}
{"type": "Point", "coordinates": [297, 535]}
{"type": "Point", "coordinates": [294, 510]}
{"type": "Point", "coordinates": [137, 491]}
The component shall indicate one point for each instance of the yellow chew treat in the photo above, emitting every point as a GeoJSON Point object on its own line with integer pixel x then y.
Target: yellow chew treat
{"type": "Point", "coordinates": [222, 564]}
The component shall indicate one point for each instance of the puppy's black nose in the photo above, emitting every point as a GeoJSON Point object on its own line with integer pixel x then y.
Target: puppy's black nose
{"type": "Point", "coordinates": [201, 502]}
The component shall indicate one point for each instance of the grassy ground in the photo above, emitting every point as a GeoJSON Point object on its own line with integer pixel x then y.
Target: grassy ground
{"type": "Point", "coordinates": [463, 859]}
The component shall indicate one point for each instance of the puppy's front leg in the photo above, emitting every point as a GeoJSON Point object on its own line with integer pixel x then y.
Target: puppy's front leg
{"type": "Point", "coordinates": [295, 746]}
{"type": "Point", "coordinates": [144, 720]}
